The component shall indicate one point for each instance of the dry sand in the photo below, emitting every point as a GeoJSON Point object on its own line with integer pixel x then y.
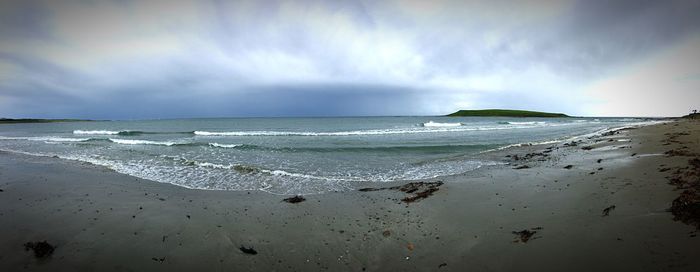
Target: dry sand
{"type": "Point", "coordinates": [105, 221]}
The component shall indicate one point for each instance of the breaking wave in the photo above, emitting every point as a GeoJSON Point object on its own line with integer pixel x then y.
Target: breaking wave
{"type": "Point", "coordinates": [436, 124]}
{"type": "Point", "coordinates": [224, 145]}
{"type": "Point", "coordinates": [144, 142]}
{"type": "Point", "coordinates": [124, 132]}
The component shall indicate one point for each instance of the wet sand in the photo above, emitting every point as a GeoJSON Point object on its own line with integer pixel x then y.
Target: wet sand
{"type": "Point", "coordinates": [599, 204]}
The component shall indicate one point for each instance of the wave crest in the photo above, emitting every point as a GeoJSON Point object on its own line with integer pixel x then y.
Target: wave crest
{"type": "Point", "coordinates": [142, 142]}
{"type": "Point", "coordinates": [338, 133]}
{"type": "Point", "coordinates": [436, 124]}
{"type": "Point", "coordinates": [125, 132]}
{"type": "Point", "coordinates": [224, 145]}
{"type": "Point", "coordinates": [96, 132]}
{"type": "Point", "coordinates": [48, 139]}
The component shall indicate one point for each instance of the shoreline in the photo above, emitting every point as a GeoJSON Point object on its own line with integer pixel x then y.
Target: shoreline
{"type": "Point", "coordinates": [493, 154]}
{"type": "Point", "coordinates": [103, 220]}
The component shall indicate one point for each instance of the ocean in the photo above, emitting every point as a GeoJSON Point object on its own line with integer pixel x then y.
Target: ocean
{"type": "Point", "coordinates": [293, 155]}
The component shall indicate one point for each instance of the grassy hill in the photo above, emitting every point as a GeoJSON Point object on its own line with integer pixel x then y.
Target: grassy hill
{"type": "Point", "coordinates": [692, 116]}
{"type": "Point", "coordinates": [505, 113]}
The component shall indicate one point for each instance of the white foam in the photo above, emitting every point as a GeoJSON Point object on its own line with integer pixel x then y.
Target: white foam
{"type": "Point", "coordinates": [296, 175]}
{"type": "Point", "coordinates": [599, 132]}
{"type": "Point", "coordinates": [96, 132]}
{"type": "Point", "coordinates": [527, 123]}
{"type": "Point", "coordinates": [224, 145]}
{"type": "Point", "coordinates": [46, 139]}
{"type": "Point", "coordinates": [413, 130]}
{"type": "Point", "coordinates": [524, 144]}
{"type": "Point", "coordinates": [141, 142]}
{"type": "Point", "coordinates": [58, 139]}
{"type": "Point", "coordinates": [436, 124]}
{"type": "Point", "coordinates": [212, 165]}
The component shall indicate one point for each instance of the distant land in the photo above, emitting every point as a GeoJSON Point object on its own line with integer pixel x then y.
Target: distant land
{"type": "Point", "coordinates": [505, 113]}
{"type": "Point", "coordinates": [692, 116]}
{"type": "Point", "coordinates": [29, 120]}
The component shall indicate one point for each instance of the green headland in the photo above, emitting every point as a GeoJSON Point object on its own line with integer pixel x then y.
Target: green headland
{"type": "Point", "coordinates": [505, 113]}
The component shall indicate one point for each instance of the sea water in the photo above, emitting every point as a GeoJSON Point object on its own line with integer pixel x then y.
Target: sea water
{"type": "Point", "coordinates": [292, 155]}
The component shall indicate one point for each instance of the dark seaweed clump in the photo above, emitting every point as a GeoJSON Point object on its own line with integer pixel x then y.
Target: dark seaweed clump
{"type": "Point", "coordinates": [526, 235]}
{"type": "Point", "coordinates": [248, 250]}
{"type": "Point", "coordinates": [294, 199]}
{"type": "Point", "coordinates": [686, 207]}
{"type": "Point", "coordinates": [420, 190]}
{"type": "Point", "coordinates": [41, 249]}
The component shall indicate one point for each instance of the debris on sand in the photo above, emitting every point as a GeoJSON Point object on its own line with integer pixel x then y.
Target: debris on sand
{"type": "Point", "coordinates": [294, 199]}
{"type": "Point", "coordinates": [529, 156]}
{"type": "Point", "coordinates": [587, 147]}
{"type": "Point", "coordinates": [599, 160]}
{"type": "Point", "coordinates": [419, 195]}
{"type": "Point", "coordinates": [610, 133]}
{"type": "Point", "coordinates": [419, 190]}
{"type": "Point", "coordinates": [161, 260]}
{"type": "Point", "coordinates": [607, 210]}
{"type": "Point", "coordinates": [410, 246]}
{"type": "Point", "coordinates": [679, 152]}
{"type": "Point", "coordinates": [525, 235]}
{"type": "Point", "coordinates": [522, 167]}
{"type": "Point", "coordinates": [386, 233]}
{"type": "Point", "coordinates": [573, 143]}
{"type": "Point", "coordinates": [41, 249]}
{"type": "Point", "coordinates": [686, 208]}
{"type": "Point", "coordinates": [442, 265]}
{"type": "Point", "coordinates": [248, 250]}
{"type": "Point", "coordinates": [568, 166]}
{"type": "Point", "coordinates": [415, 186]}
{"type": "Point", "coordinates": [428, 189]}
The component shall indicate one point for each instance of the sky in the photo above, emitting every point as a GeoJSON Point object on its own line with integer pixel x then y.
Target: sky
{"type": "Point", "coordinates": [126, 59]}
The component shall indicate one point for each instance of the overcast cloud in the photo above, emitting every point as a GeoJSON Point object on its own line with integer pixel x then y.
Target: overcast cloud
{"type": "Point", "coordinates": [164, 59]}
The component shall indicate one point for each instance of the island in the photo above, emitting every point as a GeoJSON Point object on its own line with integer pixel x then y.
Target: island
{"type": "Point", "coordinates": [504, 113]}
{"type": "Point", "coordinates": [31, 120]}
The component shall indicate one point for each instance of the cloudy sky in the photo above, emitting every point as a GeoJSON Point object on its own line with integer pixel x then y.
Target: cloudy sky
{"type": "Point", "coordinates": [127, 59]}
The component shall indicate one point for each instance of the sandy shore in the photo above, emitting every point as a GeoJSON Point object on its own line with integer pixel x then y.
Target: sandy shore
{"type": "Point", "coordinates": [101, 220]}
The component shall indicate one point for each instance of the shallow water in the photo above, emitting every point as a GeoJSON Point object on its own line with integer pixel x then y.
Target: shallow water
{"type": "Point", "coordinates": [291, 155]}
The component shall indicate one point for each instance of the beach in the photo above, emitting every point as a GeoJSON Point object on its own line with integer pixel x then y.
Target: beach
{"type": "Point", "coordinates": [599, 203]}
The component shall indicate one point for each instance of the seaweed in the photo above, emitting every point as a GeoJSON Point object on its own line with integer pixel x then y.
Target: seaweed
{"type": "Point", "coordinates": [41, 249]}
{"type": "Point", "coordinates": [607, 210]}
{"type": "Point", "coordinates": [294, 199]}
{"type": "Point", "coordinates": [248, 250]}
{"type": "Point", "coordinates": [686, 208]}
{"type": "Point", "coordinates": [526, 235]}
{"type": "Point", "coordinates": [420, 195]}
{"type": "Point", "coordinates": [419, 190]}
